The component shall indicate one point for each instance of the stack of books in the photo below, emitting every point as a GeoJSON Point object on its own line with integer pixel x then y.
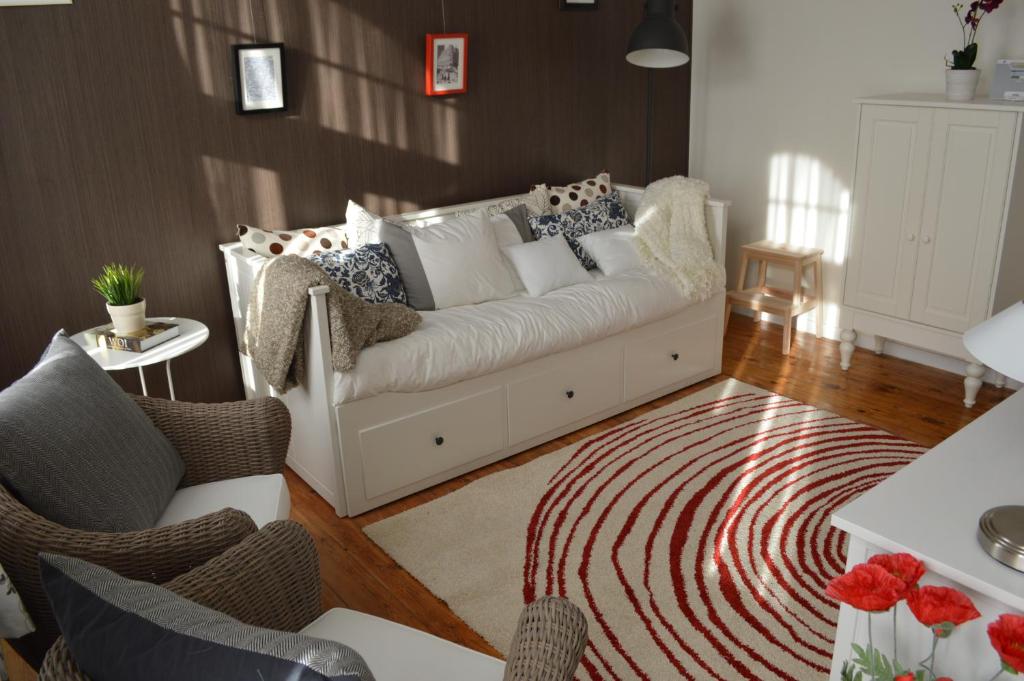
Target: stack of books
{"type": "Point", "coordinates": [146, 338]}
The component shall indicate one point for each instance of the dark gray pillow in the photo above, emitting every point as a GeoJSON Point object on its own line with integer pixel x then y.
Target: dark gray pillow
{"type": "Point", "coordinates": [520, 217]}
{"type": "Point", "coordinates": [119, 629]}
{"type": "Point", "coordinates": [414, 278]}
{"type": "Point", "coordinates": [77, 450]}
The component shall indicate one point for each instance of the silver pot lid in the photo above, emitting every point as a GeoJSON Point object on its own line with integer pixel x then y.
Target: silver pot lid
{"type": "Point", "coordinates": [1001, 533]}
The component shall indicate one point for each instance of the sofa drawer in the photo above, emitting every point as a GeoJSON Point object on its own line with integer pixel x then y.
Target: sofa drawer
{"type": "Point", "coordinates": [589, 381]}
{"type": "Point", "coordinates": [670, 356]}
{"type": "Point", "coordinates": [410, 449]}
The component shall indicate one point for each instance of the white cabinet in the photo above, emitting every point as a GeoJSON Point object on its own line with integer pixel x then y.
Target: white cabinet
{"type": "Point", "coordinates": [935, 221]}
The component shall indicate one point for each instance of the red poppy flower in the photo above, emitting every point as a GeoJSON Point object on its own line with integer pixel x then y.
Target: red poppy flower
{"type": "Point", "coordinates": [941, 608]}
{"type": "Point", "coordinates": [867, 587]}
{"type": "Point", "coordinates": [1007, 637]}
{"type": "Point", "coordinates": [902, 566]}
{"type": "Point", "coordinates": [904, 677]}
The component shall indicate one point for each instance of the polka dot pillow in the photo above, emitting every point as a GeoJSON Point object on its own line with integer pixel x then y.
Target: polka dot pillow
{"type": "Point", "coordinates": [368, 272]}
{"type": "Point", "coordinates": [580, 194]}
{"type": "Point", "coordinates": [606, 212]}
{"type": "Point", "coordinates": [302, 242]}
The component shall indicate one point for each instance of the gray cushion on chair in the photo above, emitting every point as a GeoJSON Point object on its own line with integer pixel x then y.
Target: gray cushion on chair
{"type": "Point", "coordinates": [119, 629]}
{"type": "Point", "coordinates": [77, 450]}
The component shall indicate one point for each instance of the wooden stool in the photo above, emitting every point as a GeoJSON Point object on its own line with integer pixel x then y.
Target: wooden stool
{"type": "Point", "coordinates": [787, 304]}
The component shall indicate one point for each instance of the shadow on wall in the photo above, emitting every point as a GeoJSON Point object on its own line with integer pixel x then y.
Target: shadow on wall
{"type": "Point", "coordinates": [387, 117]}
{"type": "Point", "coordinates": [809, 206]}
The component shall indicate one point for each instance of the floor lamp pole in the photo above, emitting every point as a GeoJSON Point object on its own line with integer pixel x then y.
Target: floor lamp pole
{"type": "Point", "coordinates": [649, 150]}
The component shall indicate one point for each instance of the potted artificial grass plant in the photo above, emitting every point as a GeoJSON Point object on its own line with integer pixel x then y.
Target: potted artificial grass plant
{"type": "Point", "coordinates": [120, 286]}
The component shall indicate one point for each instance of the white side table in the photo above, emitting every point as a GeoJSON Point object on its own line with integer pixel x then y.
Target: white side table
{"type": "Point", "coordinates": [192, 335]}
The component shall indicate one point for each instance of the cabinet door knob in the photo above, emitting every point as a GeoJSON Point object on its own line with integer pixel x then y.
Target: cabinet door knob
{"type": "Point", "coordinates": [911, 237]}
{"type": "Point", "coordinates": [438, 440]}
{"type": "Point", "coordinates": [675, 356]}
{"type": "Point", "coordinates": [926, 239]}
{"type": "Point", "coordinates": [570, 393]}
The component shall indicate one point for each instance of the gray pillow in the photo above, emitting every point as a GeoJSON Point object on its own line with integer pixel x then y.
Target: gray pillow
{"type": "Point", "coordinates": [520, 217]}
{"type": "Point", "coordinates": [77, 450]}
{"type": "Point", "coordinates": [119, 629]}
{"type": "Point", "coordinates": [403, 250]}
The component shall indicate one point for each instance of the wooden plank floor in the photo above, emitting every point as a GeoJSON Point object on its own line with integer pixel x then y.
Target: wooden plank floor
{"type": "Point", "coordinates": [915, 402]}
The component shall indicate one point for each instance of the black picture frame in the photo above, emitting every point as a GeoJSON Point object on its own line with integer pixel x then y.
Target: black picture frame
{"type": "Point", "coordinates": [573, 6]}
{"type": "Point", "coordinates": [271, 102]}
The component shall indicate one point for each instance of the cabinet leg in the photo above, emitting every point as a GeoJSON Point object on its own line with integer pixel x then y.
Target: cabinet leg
{"type": "Point", "coordinates": [787, 334]}
{"type": "Point", "coordinates": [879, 345]}
{"type": "Point", "coordinates": [848, 336]}
{"type": "Point", "coordinates": [972, 384]}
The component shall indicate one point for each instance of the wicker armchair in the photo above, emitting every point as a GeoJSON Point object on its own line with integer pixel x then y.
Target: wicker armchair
{"type": "Point", "coordinates": [217, 442]}
{"type": "Point", "coordinates": [272, 580]}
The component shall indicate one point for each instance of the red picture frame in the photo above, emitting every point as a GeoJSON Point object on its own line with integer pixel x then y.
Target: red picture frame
{"type": "Point", "coordinates": [447, 64]}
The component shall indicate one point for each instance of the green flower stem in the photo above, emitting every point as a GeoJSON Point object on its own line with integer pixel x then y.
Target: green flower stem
{"type": "Point", "coordinates": [871, 649]}
{"type": "Point", "coordinates": [998, 674]}
{"type": "Point", "coordinates": [895, 648]}
{"type": "Point", "coordinates": [931, 658]}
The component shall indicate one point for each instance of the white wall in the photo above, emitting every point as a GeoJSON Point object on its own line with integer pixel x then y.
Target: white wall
{"type": "Point", "coordinates": [773, 125]}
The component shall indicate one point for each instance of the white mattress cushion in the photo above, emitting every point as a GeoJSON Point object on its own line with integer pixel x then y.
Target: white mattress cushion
{"type": "Point", "coordinates": [465, 342]}
{"type": "Point", "coordinates": [264, 497]}
{"type": "Point", "coordinates": [395, 652]}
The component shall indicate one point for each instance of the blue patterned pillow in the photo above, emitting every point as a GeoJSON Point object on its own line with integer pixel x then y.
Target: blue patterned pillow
{"type": "Point", "coordinates": [368, 272]}
{"type": "Point", "coordinates": [607, 212]}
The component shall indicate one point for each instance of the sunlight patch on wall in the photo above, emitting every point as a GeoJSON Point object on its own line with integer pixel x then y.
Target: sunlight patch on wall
{"type": "Point", "coordinates": [357, 95]}
{"type": "Point", "coordinates": [809, 206]}
{"type": "Point", "coordinates": [226, 179]}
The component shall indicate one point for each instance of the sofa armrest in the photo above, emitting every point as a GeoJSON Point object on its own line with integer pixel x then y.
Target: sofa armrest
{"type": "Point", "coordinates": [154, 555]}
{"type": "Point", "coordinates": [270, 580]}
{"type": "Point", "coordinates": [548, 643]}
{"type": "Point", "coordinates": [226, 440]}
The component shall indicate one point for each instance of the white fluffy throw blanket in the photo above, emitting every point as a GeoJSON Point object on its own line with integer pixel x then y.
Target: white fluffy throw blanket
{"type": "Point", "coordinates": [672, 236]}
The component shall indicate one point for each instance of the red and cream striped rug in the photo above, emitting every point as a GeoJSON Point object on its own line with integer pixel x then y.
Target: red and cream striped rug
{"type": "Point", "coordinates": [696, 538]}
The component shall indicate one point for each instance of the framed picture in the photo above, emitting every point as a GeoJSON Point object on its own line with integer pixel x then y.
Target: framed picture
{"type": "Point", "coordinates": [577, 4]}
{"type": "Point", "coordinates": [259, 78]}
{"type": "Point", "coordinates": [446, 63]}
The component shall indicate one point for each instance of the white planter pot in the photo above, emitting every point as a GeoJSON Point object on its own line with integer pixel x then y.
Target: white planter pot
{"type": "Point", "coordinates": [961, 84]}
{"type": "Point", "coordinates": [128, 318]}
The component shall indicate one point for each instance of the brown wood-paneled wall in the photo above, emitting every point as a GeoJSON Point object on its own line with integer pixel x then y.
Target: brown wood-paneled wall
{"type": "Point", "coordinates": [119, 139]}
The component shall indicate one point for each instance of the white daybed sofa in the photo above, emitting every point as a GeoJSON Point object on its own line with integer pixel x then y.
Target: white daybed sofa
{"type": "Point", "coordinates": [478, 383]}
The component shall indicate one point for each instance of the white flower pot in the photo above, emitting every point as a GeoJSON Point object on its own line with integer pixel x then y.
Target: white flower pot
{"type": "Point", "coordinates": [961, 84]}
{"type": "Point", "coordinates": [128, 318]}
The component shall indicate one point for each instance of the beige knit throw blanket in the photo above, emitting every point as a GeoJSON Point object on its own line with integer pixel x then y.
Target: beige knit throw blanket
{"type": "Point", "coordinates": [277, 309]}
{"type": "Point", "coordinates": [672, 236]}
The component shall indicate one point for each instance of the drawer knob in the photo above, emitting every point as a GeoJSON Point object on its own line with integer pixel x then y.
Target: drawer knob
{"type": "Point", "coordinates": [675, 356]}
{"type": "Point", "coordinates": [438, 440]}
{"type": "Point", "coordinates": [570, 393]}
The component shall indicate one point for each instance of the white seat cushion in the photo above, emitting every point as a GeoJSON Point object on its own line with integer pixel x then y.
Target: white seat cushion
{"type": "Point", "coordinates": [264, 497]}
{"type": "Point", "coordinates": [395, 652]}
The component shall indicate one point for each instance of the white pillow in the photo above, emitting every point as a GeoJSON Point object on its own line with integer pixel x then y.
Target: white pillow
{"type": "Point", "coordinates": [546, 265]}
{"type": "Point", "coordinates": [463, 264]}
{"type": "Point", "coordinates": [614, 250]}
{"type": "Point", "coordinates": [360, 226]}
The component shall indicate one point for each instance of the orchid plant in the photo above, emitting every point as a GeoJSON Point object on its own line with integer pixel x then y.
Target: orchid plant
{"type": "Point", "coordinates": [969, 22]}
{"type": "Point", "coordinates": [879, 585]}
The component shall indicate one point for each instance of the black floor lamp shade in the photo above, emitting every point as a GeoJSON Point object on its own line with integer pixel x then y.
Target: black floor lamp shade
{"type": "Point", "coordinates": [659, 42]}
